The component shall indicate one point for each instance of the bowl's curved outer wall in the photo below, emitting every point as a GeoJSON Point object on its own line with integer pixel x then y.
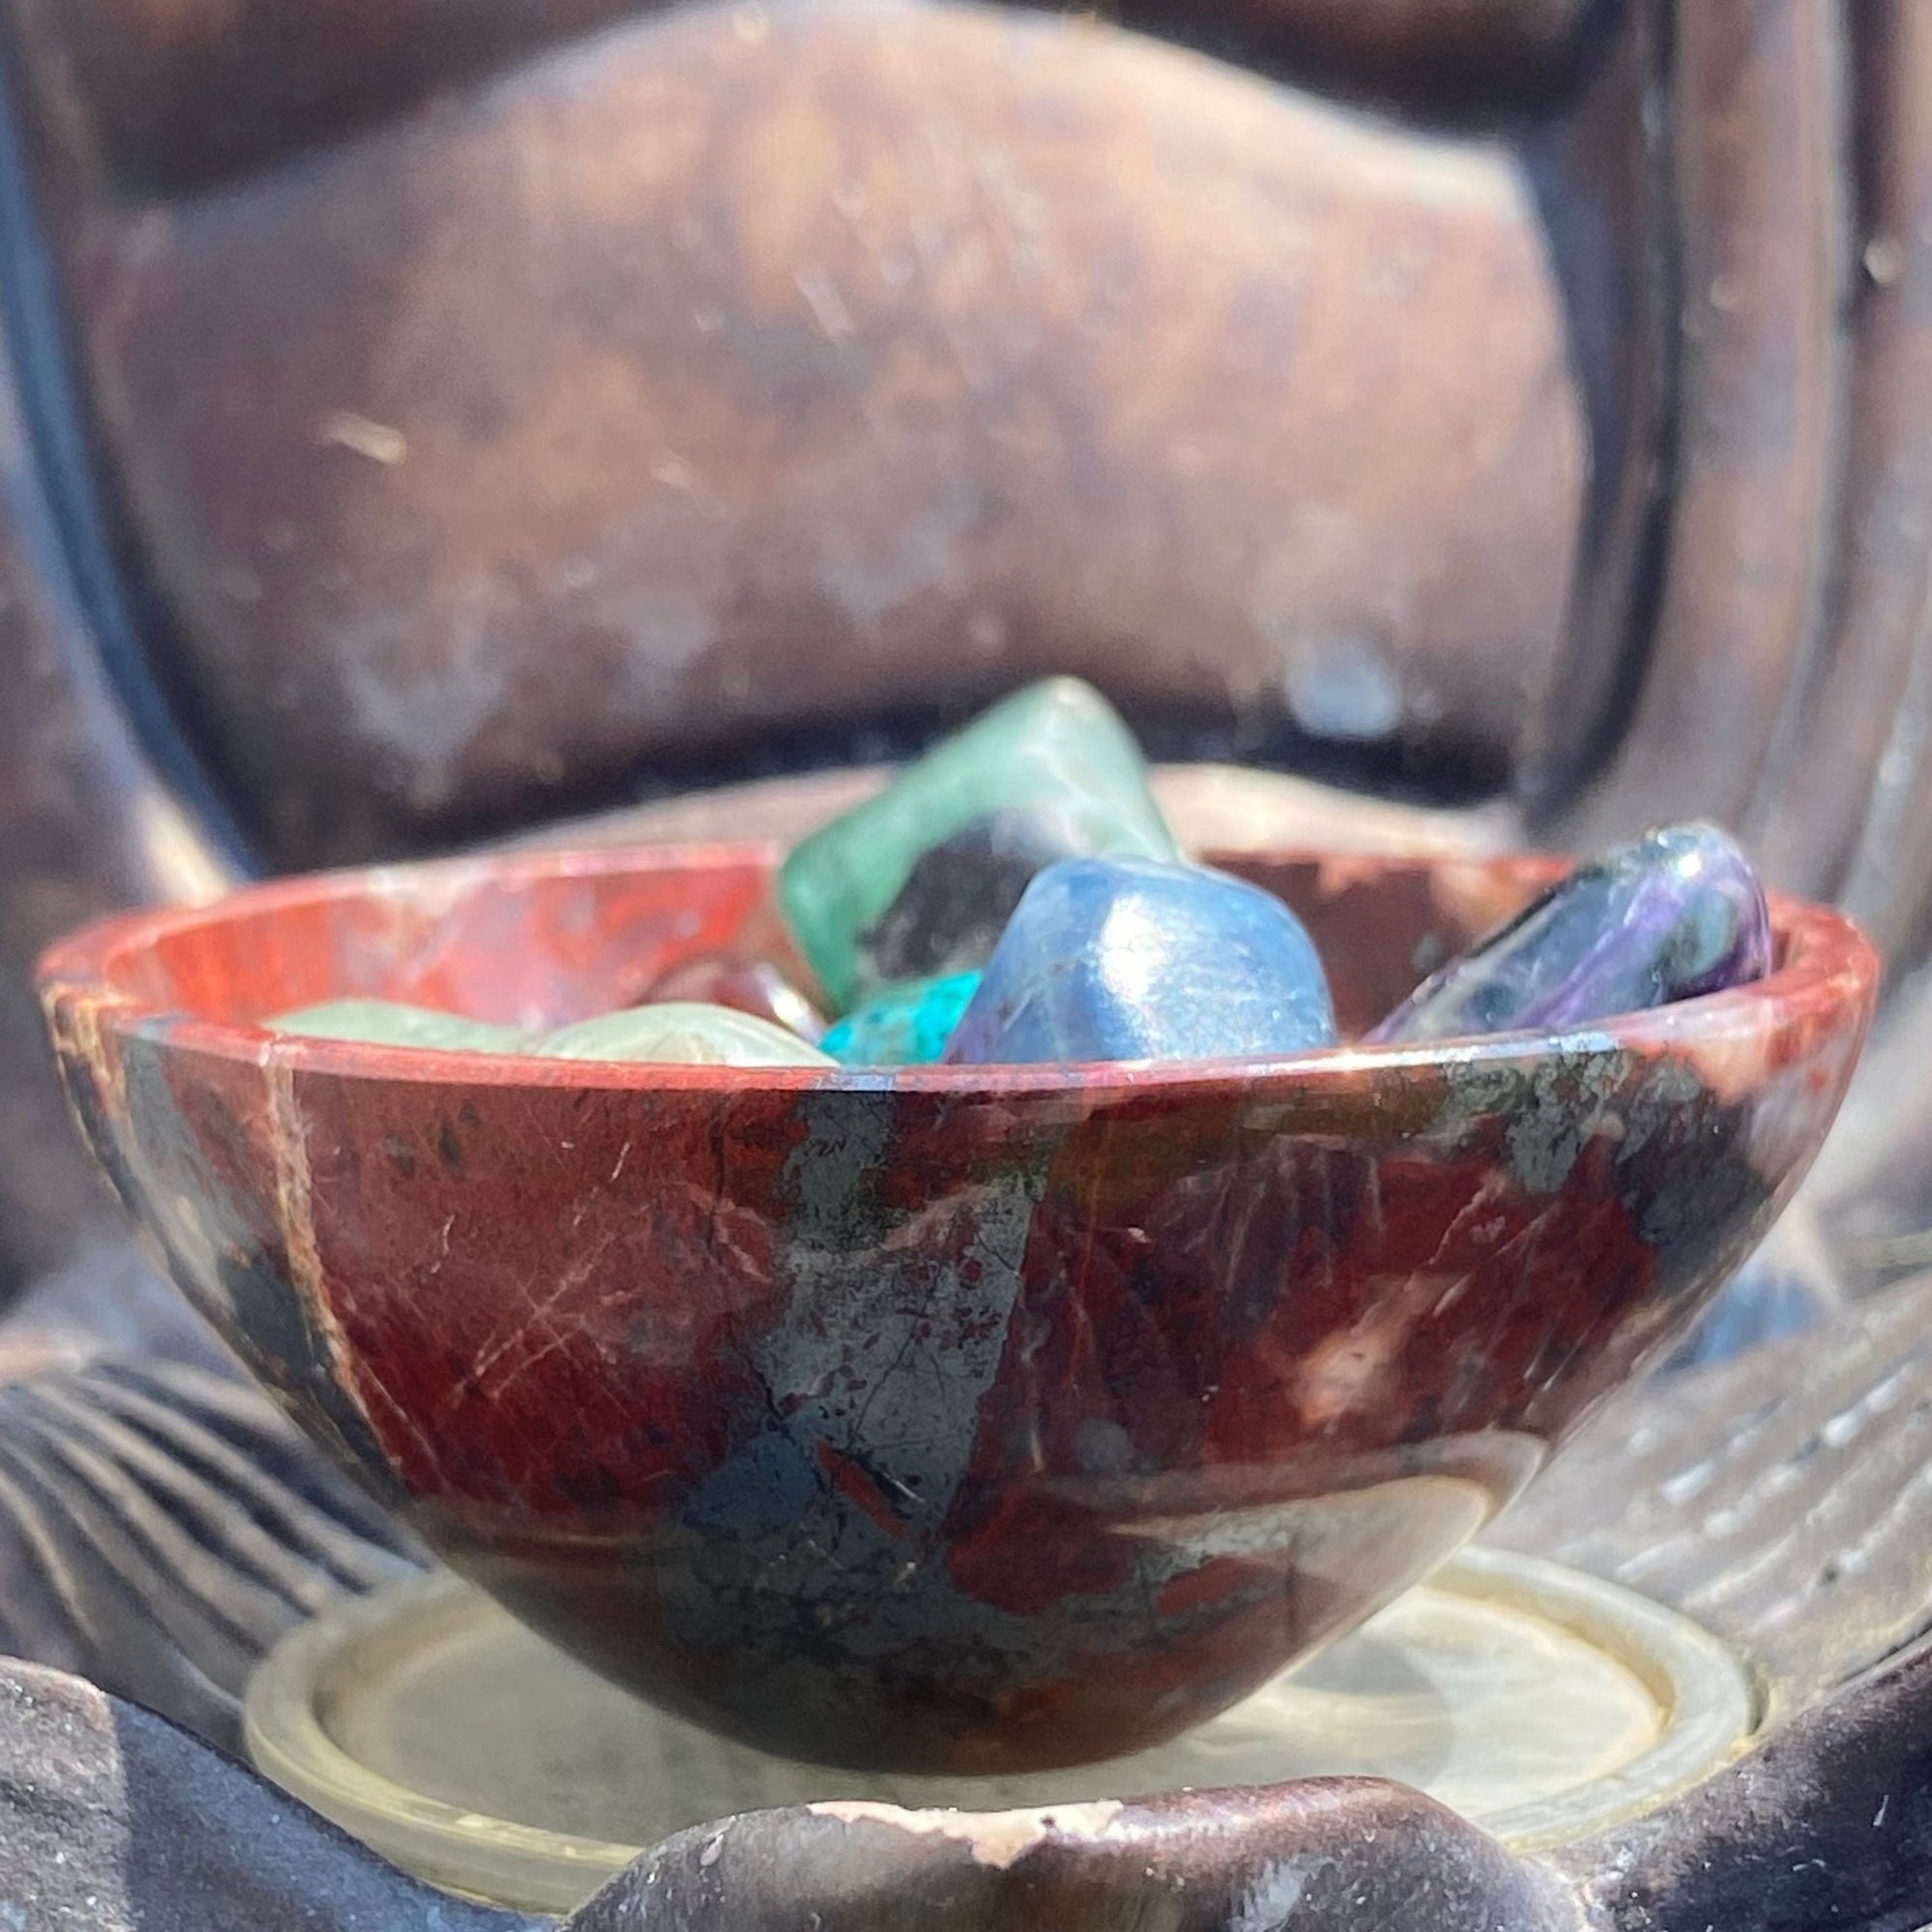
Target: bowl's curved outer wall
{"type": "Point", "coordinates": [933, 1424]}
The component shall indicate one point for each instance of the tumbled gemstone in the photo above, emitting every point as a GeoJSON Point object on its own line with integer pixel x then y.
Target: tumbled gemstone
{"type": "Point", "coordinates": [394, 1023]}
{"type": "Point", "coordinates": [1130, 960]}
{"type": "Point", "coordinates": [1054, 753]}
{"type": "Point", "coordinates": [743, 983]}
{"type": "Point", "coordinates": [1667, 916]}
{"type": "Point", "coordinates": [905, 1026]}
{"type": "Point", "coordinates": [697, 1035]}
{"type": "Point", "coordinates": [960, 894]}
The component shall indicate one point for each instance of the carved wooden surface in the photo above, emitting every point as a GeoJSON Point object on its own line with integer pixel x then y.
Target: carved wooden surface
{"type": "Point", "coordinates": [160, 1524]}
{"type": "Point", "coordinates": [1783, 1500]}
{"type": "Point", "coordinates": [1759, 226]}
{"type": "Point", "coordinates": [170, 95]}
{"type": "Point", "coordinates": [113, 1820]}
{"type": "Point", "coordinates": [85, 823]}
{"type": "Point", "coordinates": [793, 397]}
{"type": "Point", "coordinates": [1843, 827]}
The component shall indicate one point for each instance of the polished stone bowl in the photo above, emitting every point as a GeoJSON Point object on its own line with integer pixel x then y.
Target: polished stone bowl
{"type": "Point", "coordinates": [962, 1419]}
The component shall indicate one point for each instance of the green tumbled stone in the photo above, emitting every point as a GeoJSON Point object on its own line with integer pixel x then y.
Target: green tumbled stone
{"type": "Point", "coordinates": [394, 1023]}
{"type": "Point", "coordinates": [1056, 750]}
{"type": "Point", "coordinates": [905, 1026]}
{"type": "Point", "coordinates": [679, 1031]}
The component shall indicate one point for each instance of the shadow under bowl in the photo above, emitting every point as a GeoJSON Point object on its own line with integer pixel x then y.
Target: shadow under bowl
{"type": "Point", "coordinates": [966, 1420]}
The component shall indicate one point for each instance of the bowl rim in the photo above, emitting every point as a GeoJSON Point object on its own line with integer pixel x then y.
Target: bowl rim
{"type": "Point", "coordinates": [1827, 966]}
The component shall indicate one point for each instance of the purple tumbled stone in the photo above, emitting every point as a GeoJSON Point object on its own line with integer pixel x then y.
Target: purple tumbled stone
{"type": "Point", "coordinates": [1672, 914]}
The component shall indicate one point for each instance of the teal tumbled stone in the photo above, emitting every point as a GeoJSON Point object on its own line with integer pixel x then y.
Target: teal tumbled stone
{"type": "Point", "coordinates": [1049, 774]}
{"type": "Point", "coordinates": [905, 1026]}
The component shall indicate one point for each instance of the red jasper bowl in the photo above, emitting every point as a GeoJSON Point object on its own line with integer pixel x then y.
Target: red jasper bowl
{"type": "Point", "coordinates": [965, 1418]}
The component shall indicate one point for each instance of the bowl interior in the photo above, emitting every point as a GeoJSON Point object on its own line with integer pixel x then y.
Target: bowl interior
{"type": "Point", "coordinates": [540, 940]}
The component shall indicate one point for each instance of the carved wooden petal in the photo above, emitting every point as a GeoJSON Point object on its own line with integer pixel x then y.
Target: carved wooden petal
{"type": "Point", "coordinates": [160, 1524]}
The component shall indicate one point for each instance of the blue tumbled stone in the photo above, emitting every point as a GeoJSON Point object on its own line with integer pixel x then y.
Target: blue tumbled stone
{"type": "Point", "coordinates": [1137, 960]}
{"type": "Point", "coordinates": [906, 1026]}
{"type": "Point", "coordinates": [1663, 918]}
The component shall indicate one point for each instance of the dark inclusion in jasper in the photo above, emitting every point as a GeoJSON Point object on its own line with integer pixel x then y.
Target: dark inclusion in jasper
{"type": "Point", "coordinates": [1663, 918]}
{"type": "Point", "coordinates": [960, 894]}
